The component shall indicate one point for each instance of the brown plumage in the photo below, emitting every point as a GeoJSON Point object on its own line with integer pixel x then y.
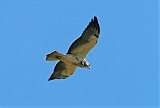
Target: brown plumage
{"type": "Point", "coordinates": [76, 53]}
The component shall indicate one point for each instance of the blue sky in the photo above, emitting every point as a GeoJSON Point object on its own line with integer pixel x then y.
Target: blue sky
{"type": "Point", "coordinates": [124, 63]}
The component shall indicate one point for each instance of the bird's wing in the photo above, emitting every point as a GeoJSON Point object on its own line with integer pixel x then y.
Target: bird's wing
{"type": "Point", "coordinates": [81, 46]}
{"type": "Point", "coordinates": [62, 70]}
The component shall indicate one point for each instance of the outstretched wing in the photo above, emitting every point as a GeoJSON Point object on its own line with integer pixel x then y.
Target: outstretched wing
{"type": "Point", "coordinates": [81, 46]}
{"type": "Point", "coordinates": [62, 70]}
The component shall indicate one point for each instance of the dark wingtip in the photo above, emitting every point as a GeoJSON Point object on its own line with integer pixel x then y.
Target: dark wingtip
{"type": "Point", "coordinates": [50, 79]}
{"type": "Point", "coordinates": [96, 23]}
{"type": "Point", "coordinates": [95, 19]}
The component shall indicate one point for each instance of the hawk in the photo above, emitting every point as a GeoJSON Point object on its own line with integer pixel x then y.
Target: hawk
{"type": "Point", "coordinates": [76, 54]}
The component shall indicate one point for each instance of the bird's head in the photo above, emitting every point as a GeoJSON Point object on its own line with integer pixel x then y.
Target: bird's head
{"type": "Point", "coordinates": [85, 64]}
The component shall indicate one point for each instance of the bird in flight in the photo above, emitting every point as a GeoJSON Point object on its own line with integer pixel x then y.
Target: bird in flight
{"type": "Point", "coordinates": [76, 53]}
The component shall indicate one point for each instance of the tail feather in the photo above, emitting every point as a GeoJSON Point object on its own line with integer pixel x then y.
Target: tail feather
{"type": "Point", "coordinates": [53, 56]}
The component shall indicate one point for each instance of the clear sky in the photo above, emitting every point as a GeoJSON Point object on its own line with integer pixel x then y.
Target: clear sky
{"type": "Point", "coordinates": [124, 63]}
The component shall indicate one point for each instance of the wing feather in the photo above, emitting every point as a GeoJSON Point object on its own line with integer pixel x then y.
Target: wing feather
{"type": "Point", "coordinates": [81, 46]}
{"type": "Point", "coordinates": [62, 70]}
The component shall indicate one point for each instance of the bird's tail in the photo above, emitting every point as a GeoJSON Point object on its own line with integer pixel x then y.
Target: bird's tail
{"type": "Point", "coordinates": [54, 56]}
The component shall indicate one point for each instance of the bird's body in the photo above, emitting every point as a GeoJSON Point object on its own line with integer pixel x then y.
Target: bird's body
{"type": "Point", "coordinates": [76, 53]}
{"type": "Point", "coordinates": [68, 58]}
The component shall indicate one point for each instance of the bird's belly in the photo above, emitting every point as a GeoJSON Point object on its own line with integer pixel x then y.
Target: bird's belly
{"type": "Point", "coordinates": [69, 58]}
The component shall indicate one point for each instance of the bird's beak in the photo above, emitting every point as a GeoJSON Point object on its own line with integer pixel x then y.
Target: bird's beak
{"type": "Point", "coordinates": [88, 67]}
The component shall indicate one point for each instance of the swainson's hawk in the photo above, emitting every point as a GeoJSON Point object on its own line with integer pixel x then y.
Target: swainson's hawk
{"type": "Point", "coordinates": [76, 53]}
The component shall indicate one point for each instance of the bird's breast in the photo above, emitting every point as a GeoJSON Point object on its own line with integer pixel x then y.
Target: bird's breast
{"type": "Point", "coordinates": [70, 58]}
